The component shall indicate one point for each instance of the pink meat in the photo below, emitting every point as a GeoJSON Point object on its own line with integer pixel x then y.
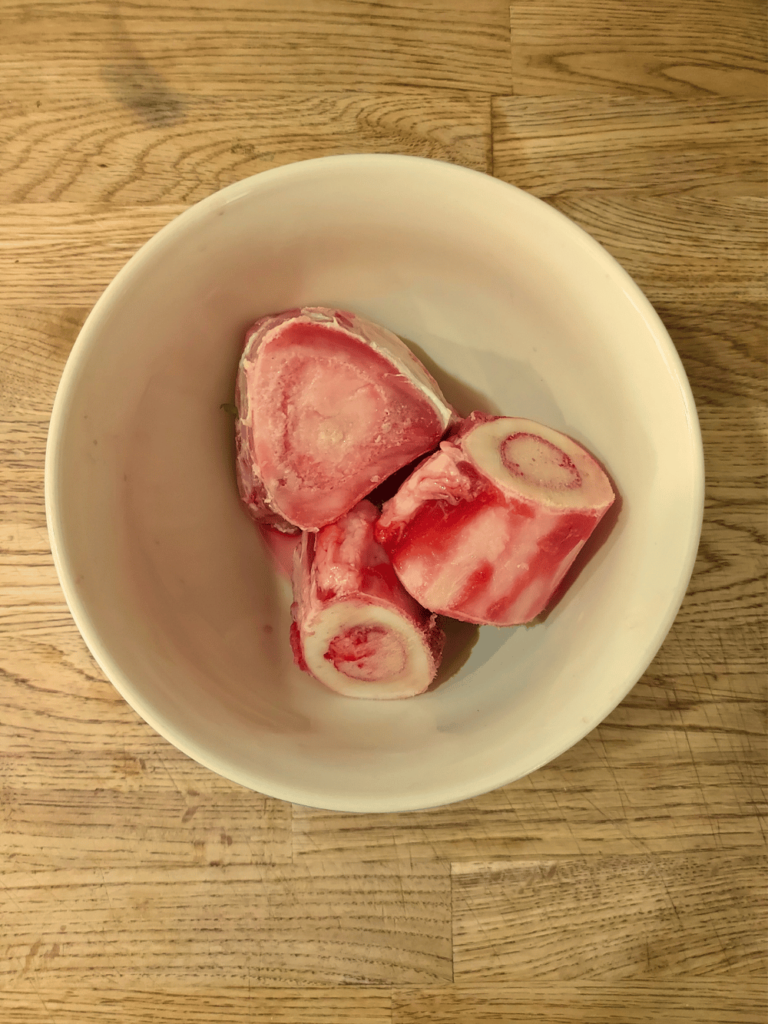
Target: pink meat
{"type": "Point", "coordinates": [329, 405]}
{"type": "Point", "coordinates": [485, 529]}
{"type": "Point", "coordinates": [355, 628]}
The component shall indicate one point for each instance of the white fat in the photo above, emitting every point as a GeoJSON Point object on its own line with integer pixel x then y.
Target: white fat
{"type": "Point", "coordinates": [556, 487]}
{"type": "Point", "coordinates": [341, 616]}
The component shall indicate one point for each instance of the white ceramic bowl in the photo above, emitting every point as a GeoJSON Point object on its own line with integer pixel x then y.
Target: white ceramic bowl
{"type": "Point", "coordinates": [519, 312]}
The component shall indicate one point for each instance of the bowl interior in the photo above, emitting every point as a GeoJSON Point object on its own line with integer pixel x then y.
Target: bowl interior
{"type": "Point", "coordinates": [515, 310]}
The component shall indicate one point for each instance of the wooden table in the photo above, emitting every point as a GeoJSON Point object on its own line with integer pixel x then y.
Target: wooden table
{"type": "Point", "coordinates": [625, 882]}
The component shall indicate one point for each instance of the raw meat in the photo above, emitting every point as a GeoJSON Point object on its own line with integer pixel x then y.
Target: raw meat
{"type": "Point", "coordinates": [329, 405]}
{"type": "Point", "coordinates": [485, 529]}
{"type": "Point", "coordinates": [355, 628]}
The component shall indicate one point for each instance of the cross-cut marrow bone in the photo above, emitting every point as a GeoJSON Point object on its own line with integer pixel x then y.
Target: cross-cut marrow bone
{"type": "Point", "coordinates": [485, 529]}
{"type": "Point", "coordinates": [355, 628]}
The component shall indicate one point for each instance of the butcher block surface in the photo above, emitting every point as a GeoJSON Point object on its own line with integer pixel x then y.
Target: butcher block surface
{"type": "Point", "coordinates": [625, 882]}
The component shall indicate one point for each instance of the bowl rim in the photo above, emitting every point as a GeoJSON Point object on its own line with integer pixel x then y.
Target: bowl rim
{"type": "Point", "coordinates": [448, 793]}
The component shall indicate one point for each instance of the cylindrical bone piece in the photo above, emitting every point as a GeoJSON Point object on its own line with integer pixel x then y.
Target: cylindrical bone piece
{"type": "Point", "coordinates": [355, 628]}
{"type": "Point", "coordinates": [485, 529]}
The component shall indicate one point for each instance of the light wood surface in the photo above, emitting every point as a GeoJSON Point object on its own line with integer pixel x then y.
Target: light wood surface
{"type": "Point", "coordinates": [624, 883]}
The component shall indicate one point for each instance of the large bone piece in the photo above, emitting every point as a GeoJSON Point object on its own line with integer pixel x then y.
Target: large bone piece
{"type": "Point", "coordinates": [329, 405]}
{"type": "Point", "coordinates": [485, 529]}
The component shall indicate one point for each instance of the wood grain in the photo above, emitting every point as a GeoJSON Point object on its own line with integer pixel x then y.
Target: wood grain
{"type": "Point", "coordinates": [723, 1001]}
{"type": "Point", "coordinates": [724, 347]}
{"type": "Point", "coordinates": [33, 352]}
{"type": "Point", "coordinates": [95, 149]}
{"type": "Point", "coordinates": [237, 1004]}
{"type": "Point", "coordinates": [693, 48]}
{"type": "Point", "coordinates": [65, 254]}
{"type": "Point", "coordinates": [229, 924]}
{"type": "Point", "coordinates": [140, 801]}
{"type": "Point", "coordinates": [660, 1002]}
{"type": "Point", "coordinates": [679, 247]}
{"type": "Point", "coordinates": [153, 54]}
{"type": "Point", "coordinates": [624, 883]}
{"type": "Point", "coordinates": [615, 918]}
{"type": "Point", "coordinates": [551, 145]}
